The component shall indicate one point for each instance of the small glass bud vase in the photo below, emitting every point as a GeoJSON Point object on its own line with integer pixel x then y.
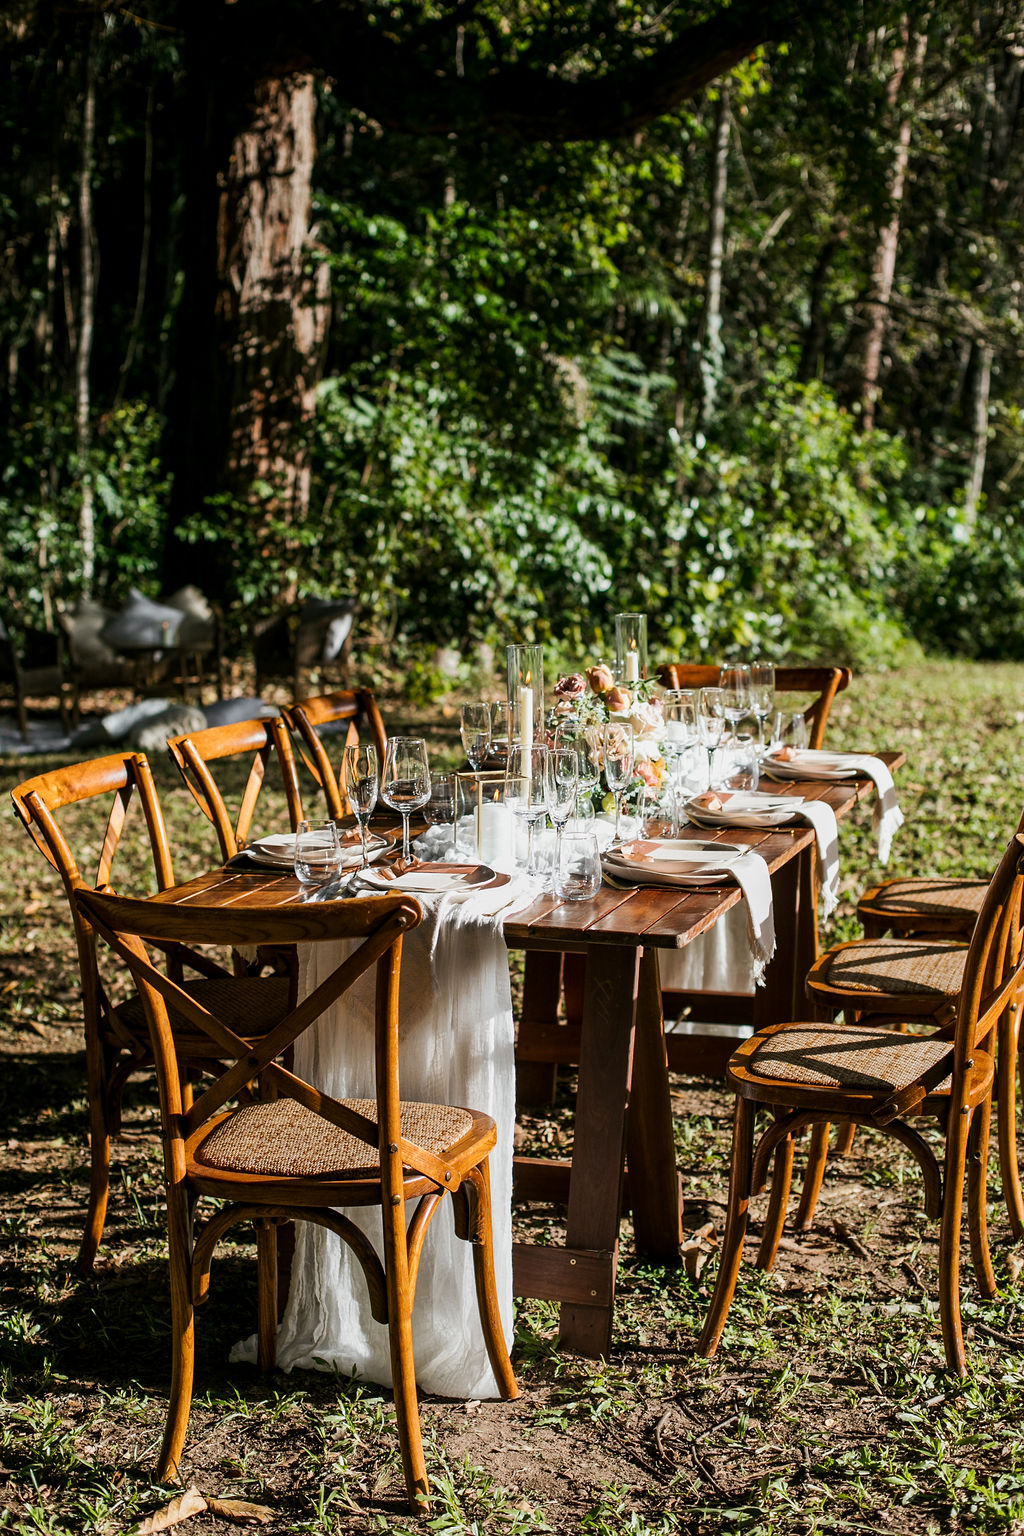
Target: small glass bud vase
{"type": "Point", "coordinates": [630, 647]}
{"type": "Point", "coordinates": [526, 695]}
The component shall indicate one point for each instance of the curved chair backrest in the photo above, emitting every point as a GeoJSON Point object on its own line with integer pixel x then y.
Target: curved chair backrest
{"type": "Point", "coordinates": [262, 739]}
{"type": "Point", "coordinates": [823, 682]}
{"type": "Point", "coordinates": [359, 707]}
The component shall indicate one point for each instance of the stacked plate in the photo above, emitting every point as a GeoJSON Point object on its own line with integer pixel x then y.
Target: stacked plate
{"type": "Point", "coordinates": [810, 765]}
{"type": "Point", "coordinates": [430, 879]}
{"type": "Point", "coordinates": [744, 808]}
{"type": "Point", "coordinates": [277, 851]}
{"type": "Point", "coordinates": [672, 861]}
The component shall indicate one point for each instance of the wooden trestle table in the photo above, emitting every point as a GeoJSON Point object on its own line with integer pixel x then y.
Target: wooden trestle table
{"type": "Point", "coordinates": [623, 1106]}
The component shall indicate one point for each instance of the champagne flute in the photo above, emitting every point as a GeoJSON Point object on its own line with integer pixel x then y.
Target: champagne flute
{"type": "Point", "coordinates": [679, 734]}
{"type": "Point", "coordinates": [360, 782]}
{"type": "Point", "coordinates": [711, 723]}
{"type": "Point", "coordinates": [585, 742]}
{"type": "Point", "coordinates": [734, 686]}
{"type": "Point", "coordinates": [499, 732]}
{"type": "Point", "coordinates": [526, 791]}
{"type": "Point", "coordinates": [562, 789]}
{"type": "Point", "coordinates": [405, 785]}
{"type": "Point", "coordinates": [762, 695]}
{"type": "Point", "coordinates": [475, 731]}
{"type": "Point", "coordinates": [618, 765]}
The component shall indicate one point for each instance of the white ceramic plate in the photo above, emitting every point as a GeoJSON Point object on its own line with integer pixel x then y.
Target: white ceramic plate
{"type": "Point", "coordinates": [429, 879]}
{"type": "Point", "coordinates": [809, 766]}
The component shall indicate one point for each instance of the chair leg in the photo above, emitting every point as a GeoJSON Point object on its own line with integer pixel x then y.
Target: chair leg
{"type": "Point", "coordinates": [778, 1204]}
{"type": "Point", "coordinates": [266, 1290]}
{"type": "Point", "coordinates": [977, 1192]}
{"type": "Point", "coordinates": [844, 1138]}
{"type": "Point", "coordinates": [817, 1156]}
{"type": "Point", "coordinates": [99, 1157]}
{"type": "Point", "coordinates": [1006, 1117]}
{"type": "Point", "coordinates": [735, 1228]}
{"type": "Point", "coordinates": [179, 1247]}
{"type": "Point", "coordinates": [949, 1243]}
{"type": "Point", "coordinates": [403, 1368]}
{"type": "Point", "coordinates": [486, 1290]}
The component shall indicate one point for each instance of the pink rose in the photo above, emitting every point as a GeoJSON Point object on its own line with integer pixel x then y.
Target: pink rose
{"type": "Point", "coordinates": [571, 687]}
{"type": "Point", "coordinates": [645, 769]}
{"type": "Point", "coordinates": [600, 678]}
{"type": "Point", "coordinates": [617, 700]}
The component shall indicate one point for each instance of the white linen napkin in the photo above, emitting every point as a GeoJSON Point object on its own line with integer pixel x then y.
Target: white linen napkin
{"type": "Point", "coordinates": [749, 871]}
{"type": "Point", "coordinates": [886, 816]}
{"type": "Point", "coordinates": [752, 808]}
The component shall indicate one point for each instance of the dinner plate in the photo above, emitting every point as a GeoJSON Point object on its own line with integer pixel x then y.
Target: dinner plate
{"type": "Point", "coordinates": [704, 868]}
{"type": "Point", "coordinates": [807, 766]}
{"type": "Point", "coordinates": [743, 809]}
{"type": "Point", "coordinates": [669, 850]}
{"type": "Point", "coordinates": [431, 878]}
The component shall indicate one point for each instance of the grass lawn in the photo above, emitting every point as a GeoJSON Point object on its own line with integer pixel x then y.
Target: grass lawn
{"type": "Point", "coordinates": [827, 1408]}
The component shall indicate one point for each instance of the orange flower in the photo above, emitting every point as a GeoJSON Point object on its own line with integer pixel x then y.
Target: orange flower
{"type": "Point", "coordinates": [617, 700]}
{"type": "Point", "coordinates": [600, 678]}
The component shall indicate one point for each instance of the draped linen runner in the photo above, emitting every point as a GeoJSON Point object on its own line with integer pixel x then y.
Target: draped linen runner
{"type": "Point", "coordinates": [456, 1047]}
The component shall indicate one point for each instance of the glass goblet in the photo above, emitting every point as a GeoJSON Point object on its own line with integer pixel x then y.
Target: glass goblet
{"type": "Point", "coordinates": [762, 694]}
{"type": "Point", "coordinates": [360, 780]}
{"type": "Point", "coordinates": [405, 782]}
{"type": "Point", "coordinates": [617, 745]}
{"type": "Point", "coordinates": [711, 724]}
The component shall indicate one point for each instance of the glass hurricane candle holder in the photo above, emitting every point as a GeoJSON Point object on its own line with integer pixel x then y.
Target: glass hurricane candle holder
{"type": "Point", "coordinates": [630, 647]}
{"type": "Point", "coordinates": [526, 695]}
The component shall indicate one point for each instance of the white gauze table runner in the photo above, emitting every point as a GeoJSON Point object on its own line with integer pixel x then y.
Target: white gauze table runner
{"type": "Point", "coordinates": [456, 1047]}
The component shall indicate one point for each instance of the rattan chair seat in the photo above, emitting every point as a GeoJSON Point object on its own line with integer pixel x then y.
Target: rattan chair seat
{"type": "Point", "coordinates": [250, 1005]}
{"type": "Point", "coordinates": [922, 967]}
{"type": "Point", "coordinates": [843, 1057]}
{"type": "Point", "coordinates": [931, 898]}
{"type": "Point", "coordinates": [284, 1139]}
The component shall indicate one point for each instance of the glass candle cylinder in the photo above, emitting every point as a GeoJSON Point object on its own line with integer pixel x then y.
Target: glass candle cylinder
{"type": "Point", "coordinates": [630, 647]}
{"type": "Point", "coordinates": [526, 695]}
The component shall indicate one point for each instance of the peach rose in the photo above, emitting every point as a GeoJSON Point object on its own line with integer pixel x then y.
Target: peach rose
{"type": "Point", "coordinates": [617, 700]}
{"type": "Point", "coordinates": [600, 678]}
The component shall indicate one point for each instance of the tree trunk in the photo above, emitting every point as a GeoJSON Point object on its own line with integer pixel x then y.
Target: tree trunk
{"type": "Point", "coordinates": [979, 436]}
{"type": "Point", "coordinates": [86, 310]}
{"type": "Point", "coordinates": [711, 352]}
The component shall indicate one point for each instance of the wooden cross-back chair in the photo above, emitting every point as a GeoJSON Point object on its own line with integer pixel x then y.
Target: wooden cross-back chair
{"type": "Point", "coordinates": [116, 1038]}
{"type": "Point", "coordinates": [809, 1073]}
{"type": "Point", "coordinates": [291, 1152]}
{"type": "Point", "coordinates": [823, 682]}
{"type": "Point", "coordinates": [260, 740]}
{"type": "Point", "coordinates": [359, 708]}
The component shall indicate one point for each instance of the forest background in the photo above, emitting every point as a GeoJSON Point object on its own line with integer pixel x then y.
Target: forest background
{"type": "Point", "coordinates": [346, 299]}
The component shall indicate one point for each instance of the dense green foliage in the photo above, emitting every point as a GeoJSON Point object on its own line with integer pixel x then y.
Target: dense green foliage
{"type": "Point", "coordinates": [523, 422]}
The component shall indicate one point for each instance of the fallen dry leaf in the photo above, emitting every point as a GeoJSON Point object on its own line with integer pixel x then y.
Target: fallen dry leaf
{"type": "Point", "coordinates": [697, 1248]}
{"type": "Point", "coordinates": [191, 1502]}
{"type": "Point", "coordinates": [239, 1511]}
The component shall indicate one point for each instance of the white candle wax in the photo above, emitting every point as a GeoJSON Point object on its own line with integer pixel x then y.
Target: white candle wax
{"type": "Point", "coordinates": [526, 724]}
{"type": "Point", "coordinates": [494, 845]}
{"type": "Point", "coordinates": [632, 667]}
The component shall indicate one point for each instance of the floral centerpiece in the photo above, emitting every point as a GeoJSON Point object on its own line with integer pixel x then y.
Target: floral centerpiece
{"type": "Point", "coordinates": [595, 700]}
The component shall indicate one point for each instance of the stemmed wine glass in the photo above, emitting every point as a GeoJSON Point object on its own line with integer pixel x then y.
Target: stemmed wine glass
{"type": "Point", "coordinates": [762, 695]}
{"type": "Point", "coordinates": [679, 734]}
{"type": "Point", "coordinates": [734, 686]}
{"type": "Point", "coordinates": [563, 787]}
{"type": "Point", "coordinates": [360, 782]}
{"type": "Point", "coordinates": [618, 764]}
{"type": "Point", "coordinates": [405, 784]}
{"type": "Point", "coordinates": [526, 790]}
{"type": "Point", "coordinates": [585, 742]}
{"type": "Point", "coordinates": [711, 724]}
{"type": "Point", "coordinates": [476, 733]}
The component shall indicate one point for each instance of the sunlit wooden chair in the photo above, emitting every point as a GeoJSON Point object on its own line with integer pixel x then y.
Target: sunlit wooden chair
{"type": "Point", "coordinates": [291, 1152]}
{"type": "Point", "coordinates": [810, 1073]}
{"type": "Point", "coordinates": [821, 682]}
{"type": "Point", "coordinates": [257, 741]}
{"type": "Point", "coordinates": [116, 1038]}
{"type": "Point", "coordinates": [307, 717]}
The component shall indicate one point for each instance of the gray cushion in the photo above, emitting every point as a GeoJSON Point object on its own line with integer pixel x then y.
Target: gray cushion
{"type": "Point", "coordinates": [142, 624]}
{"type": "Point", "coordinates": [231, 711]}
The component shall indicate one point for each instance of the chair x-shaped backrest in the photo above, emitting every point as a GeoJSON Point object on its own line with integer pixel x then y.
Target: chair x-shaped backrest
{"type": "Point", "coordinates": [260, 738]}
{"type": "Point", "coordinates": [359, 707]}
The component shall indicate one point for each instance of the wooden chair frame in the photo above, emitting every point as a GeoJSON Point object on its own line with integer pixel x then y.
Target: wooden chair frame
{"type": "Point", "coordinates": [359, 707]}
{"type": "Point", "coordinates": [264, 739]}
{"type": "Point", "coordinates": [826, 682]}
{"type": "Point", "coordinates": [400, 1170]}
{"type": "Point", "coordinates": [42, 682]}
{"type": "Point", "coordinates": [992, 979]}
{"type": "Point", "coordinates": [116, 1039]}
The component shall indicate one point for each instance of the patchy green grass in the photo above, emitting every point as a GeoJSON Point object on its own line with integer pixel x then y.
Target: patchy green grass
{"type": "Point", "coordinates": [826, 1410]}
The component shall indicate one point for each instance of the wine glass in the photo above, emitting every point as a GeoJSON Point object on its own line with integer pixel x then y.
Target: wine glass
{"type": "Point", "coordinates": [585, 742]}
{"type": "Point", "coordinates": [405, 784]}
{"type": "Point", "coordinates": [476, 733]}
{"type": "Point", "coordinates": [789, 729]}
{"type": "Point", "coordinates": [563, 787]}
{"type": "Point", "coordinates": [679, 733]}
{"type": "Point", "coordinates": [317, 858]}
{"type": "Point", "coordinates": [360, 782]}
{"type": "Point", "coordinates": [439, 810]}
{"type": "Point", "coordinates": [526, 791]}
{"type": "Point", "coordinates": [762, 694]}
{"type": "Point", "coordinates": [711, 724]}
{"type": "Point", "coordinates": [617, 746]}
{"type": "Point", "coordinates": [499, 732]}
{"type": "Point", "coordinates": [734, 686]}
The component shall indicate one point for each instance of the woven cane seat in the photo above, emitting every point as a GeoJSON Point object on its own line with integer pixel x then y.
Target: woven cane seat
{"type": "Point", "coordinates": [931, 898]}
{"type": "Point", "coordinates": [284, 1139]}
{"type": "Point", "coordinates": [843, 1057]}
{"type": "Point", "coordinates": [919, 967]}
{"type": "Point", "coordinates": [250, 1005]}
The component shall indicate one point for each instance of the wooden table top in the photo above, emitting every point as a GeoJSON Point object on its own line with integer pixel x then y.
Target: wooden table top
{"type": "Point", "coordinates": [656, 916]}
